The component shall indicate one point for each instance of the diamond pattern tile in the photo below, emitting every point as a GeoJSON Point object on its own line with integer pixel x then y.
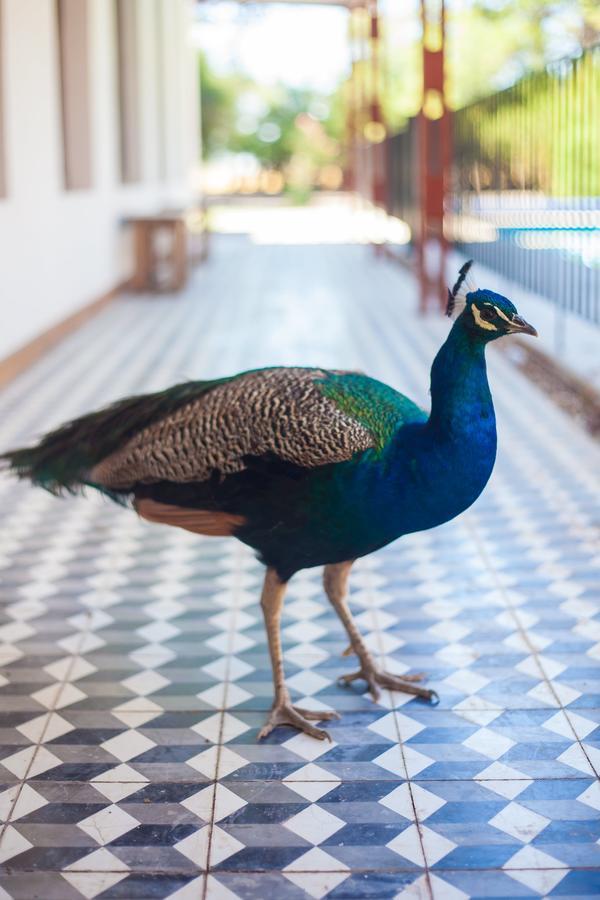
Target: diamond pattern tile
{"type": "Point", "coordinates": [134, 670]}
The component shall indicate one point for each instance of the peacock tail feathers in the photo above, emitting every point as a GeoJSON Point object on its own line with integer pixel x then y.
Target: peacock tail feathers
{"type": "Point", "coordinates": [309, 417]}
{"type": "Point", "coordinates": [61, 461]}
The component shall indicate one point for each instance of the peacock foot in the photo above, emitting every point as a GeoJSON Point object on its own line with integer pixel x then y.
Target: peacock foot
{"type": "Point", "coordinates": [377, 679]}
{"type": "Point", "coordinates": [286, 714]}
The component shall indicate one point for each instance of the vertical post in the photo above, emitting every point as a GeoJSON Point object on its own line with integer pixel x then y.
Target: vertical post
{"type": "Point", "coordinates": [355, 101]}
{"type": "Point", "coordinates": [376, 130]}
{"type": "Point", "coordinates": [434, 159]}
{"type": "Point", "coordinates": [362, 89]}
{"type": "Point", "coordinates": [350, 103]}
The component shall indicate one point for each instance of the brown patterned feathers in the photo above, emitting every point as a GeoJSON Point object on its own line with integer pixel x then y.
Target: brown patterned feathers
{"type": "Point", "coordinates": [279, 411]}
{"type": "Point", "coordinates": [192, 430]}
{"type": "Point", "coordinates": [62, 460]}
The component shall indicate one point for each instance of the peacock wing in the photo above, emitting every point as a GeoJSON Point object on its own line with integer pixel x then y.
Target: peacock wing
{"type": "Point", "coordinates": [285, 412]}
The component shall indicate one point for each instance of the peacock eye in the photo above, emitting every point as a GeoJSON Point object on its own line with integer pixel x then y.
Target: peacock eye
{"type": "Point", "coordinates": [487, 314]}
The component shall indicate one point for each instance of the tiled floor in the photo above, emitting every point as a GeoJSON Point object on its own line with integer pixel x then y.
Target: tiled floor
{"type": "Point", "coordinates": [134, 665]}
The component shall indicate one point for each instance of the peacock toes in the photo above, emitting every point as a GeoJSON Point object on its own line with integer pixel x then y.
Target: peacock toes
{"type": "Point", "coordinates": [282, 711]}
{"type": "Point", "coordinates": [335, 580]}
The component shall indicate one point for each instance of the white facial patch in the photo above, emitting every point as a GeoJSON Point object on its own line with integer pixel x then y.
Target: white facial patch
{"type": "Point", "coordinates": [482, 324]}
{"type": "Point", "coordinates": [501, 314]}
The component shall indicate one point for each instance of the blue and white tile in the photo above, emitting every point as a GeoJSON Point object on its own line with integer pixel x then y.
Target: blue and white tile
{"type": "Point", "coordinates": [134, 670]}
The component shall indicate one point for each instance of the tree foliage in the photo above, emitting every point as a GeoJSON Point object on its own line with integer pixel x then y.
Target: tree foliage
{"type": "Point", "coordinates": [494, 42]}
{"type": "Point", "coordinates": [490, 45]}
{"type": "Point", "coordinates": [273, 124]}
{"type": "Point", "coordinates": [501, 142]}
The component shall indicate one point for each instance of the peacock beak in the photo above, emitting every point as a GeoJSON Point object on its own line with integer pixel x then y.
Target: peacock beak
{"type": "Point", "coordinates": [520, 326]}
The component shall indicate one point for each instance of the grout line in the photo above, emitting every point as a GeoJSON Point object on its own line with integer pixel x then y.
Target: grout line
{"type": "Point", "coordinates": [386, 869]}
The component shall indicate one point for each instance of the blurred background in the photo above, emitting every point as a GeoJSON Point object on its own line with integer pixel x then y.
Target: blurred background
{"type": "Point", "coordinates": [132, 130]}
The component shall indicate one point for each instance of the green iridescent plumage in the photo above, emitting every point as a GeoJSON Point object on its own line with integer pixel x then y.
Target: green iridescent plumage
{"type": "Point", "coordinates": [378, 407]}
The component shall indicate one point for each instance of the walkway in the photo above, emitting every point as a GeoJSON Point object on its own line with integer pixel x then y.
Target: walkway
{"type": "Point", "coordinates": [134, 667]}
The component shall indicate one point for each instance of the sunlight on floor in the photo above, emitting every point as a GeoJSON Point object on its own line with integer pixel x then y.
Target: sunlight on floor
{"type": "Point", "coordinates": [332, 220]}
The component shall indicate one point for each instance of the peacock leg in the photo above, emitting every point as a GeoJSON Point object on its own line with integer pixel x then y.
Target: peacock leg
{"type": "Point", "coordinates": [335, 580]}
{"type": "Point", "coordinates": [282, 711]}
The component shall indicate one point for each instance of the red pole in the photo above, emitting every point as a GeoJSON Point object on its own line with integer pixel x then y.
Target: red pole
{"type": "Point", "coordinates": [363, 102]}
{"type": "Point", "coordinates": [351, 112]}
{"type": "Point", "coordinates": [434, 158]}
{"type": "Point", "coordinates": [377, 135]}
{"type": "Point", "coordinates": [356, 103]}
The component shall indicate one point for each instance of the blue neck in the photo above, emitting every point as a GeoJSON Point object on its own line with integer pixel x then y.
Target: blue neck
{"type": "Point", "coordinates": [460, 394]}
{"type": "Point", "coordinates": [433, 470]}
{"type": "Point", "coordinates": [452, 455]}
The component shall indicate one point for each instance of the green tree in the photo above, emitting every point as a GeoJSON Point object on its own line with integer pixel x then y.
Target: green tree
{"type": "Point", "coordinates": [495, 42]}
{"type": "Point", "coordinates": [217, 106]}
{"type": "Point", "coordinates": [275, 125]}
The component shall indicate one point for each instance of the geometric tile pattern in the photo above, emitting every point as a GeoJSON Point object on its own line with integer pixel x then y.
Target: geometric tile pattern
{"type": "Point", "coordinates": [134, 672]}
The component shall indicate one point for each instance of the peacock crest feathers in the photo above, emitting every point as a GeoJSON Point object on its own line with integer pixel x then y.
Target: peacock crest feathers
{"type": "Point", "coordinates": [457, 297]}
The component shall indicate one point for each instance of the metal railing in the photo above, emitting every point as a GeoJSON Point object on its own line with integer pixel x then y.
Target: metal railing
{"type": "Point", "coordinates": [402, 183]}
{"type": "Point", "coordinates": [525, 194]}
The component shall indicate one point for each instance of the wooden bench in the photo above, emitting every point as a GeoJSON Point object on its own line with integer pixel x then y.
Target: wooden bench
{"type": "Point", "coordinates": [161, 252]}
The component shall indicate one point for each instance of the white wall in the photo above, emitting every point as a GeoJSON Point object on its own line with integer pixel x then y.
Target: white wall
{"type": "Point", "coordinates": [61, 249]}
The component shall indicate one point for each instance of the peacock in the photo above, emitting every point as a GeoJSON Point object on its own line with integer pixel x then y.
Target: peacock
{"type": "Point", "coordinates": [308, 466]}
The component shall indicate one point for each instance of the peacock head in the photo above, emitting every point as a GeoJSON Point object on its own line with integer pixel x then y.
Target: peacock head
{"type": "Point", "coordinates": [484, 313]}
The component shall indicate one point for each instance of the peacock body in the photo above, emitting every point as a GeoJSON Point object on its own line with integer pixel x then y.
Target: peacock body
{"type": "Point", "coordinates": [308, 466]}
